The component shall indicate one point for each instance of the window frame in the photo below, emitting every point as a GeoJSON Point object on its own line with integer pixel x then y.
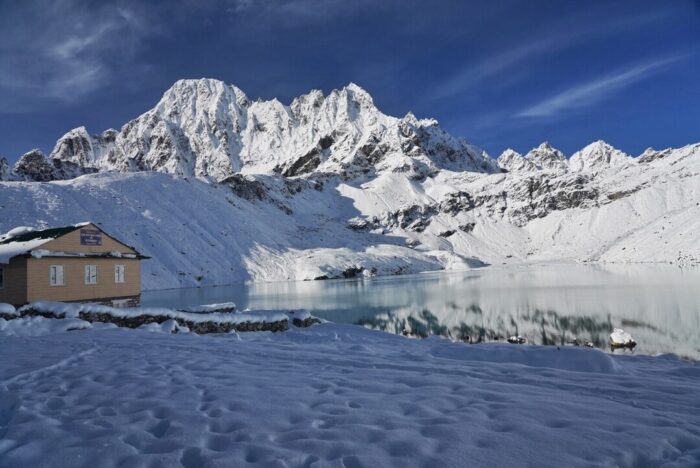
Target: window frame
{"type": "Point", "coordinates": [89, 281]}
{"type": "Point", "coordinates": [56, 273]}
{"type": "Point", "coordinates": [120, 279]}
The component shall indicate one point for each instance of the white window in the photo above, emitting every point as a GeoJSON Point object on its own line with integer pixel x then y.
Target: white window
{"type": "Point", "coordinates": [90, 274]}
{"type": "Point", "coordinates": [56, 275]}
{"type": "Point", "coordinates": [2, 278]}
{"type": "Point", "coordinates": [119, 273]}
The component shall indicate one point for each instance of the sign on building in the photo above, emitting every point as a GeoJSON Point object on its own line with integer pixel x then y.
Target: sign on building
{"type": "Point", "coordinates": [90, 237]}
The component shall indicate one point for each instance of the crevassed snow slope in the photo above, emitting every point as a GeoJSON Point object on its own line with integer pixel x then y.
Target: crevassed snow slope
{"type": "Point", "coordinates": [334, 395]}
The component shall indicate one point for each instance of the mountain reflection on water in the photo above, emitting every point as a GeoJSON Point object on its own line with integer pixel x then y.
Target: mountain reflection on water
{"type": "Point", "coordinates": [542, 327]}
{"type": "Point", "coordinates": [547, 304]}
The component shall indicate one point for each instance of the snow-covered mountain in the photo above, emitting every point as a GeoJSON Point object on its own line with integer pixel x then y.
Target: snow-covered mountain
{"type": "Point", "coordinates": [218, 188]}
{"type": "Point", "coordinates": [207, 129]}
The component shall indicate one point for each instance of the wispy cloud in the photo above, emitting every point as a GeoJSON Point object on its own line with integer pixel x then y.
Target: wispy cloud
{"type": "Point", "coordinates": [63, 50]}
{"type": "Point", "coordinates": [593, 91]}
{"type": "Point", "coordinates": [560, 36]}
{"type": "Point", "coordinates": [300, 11]}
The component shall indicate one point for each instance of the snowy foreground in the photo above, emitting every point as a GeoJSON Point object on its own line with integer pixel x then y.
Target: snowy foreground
{"type": "Point", "coordinates": [332, 395]}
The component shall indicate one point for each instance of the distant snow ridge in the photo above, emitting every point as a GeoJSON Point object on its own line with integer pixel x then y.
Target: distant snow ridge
{"type": "Point", "coordinates": [598, 156]}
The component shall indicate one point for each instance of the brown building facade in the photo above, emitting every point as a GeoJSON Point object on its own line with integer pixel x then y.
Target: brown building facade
{"type": "Point", "coordinates": [74, 263]}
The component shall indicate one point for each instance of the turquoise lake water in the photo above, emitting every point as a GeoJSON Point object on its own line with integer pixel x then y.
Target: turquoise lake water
{"type": "Point", "coordinates": [547, 304]}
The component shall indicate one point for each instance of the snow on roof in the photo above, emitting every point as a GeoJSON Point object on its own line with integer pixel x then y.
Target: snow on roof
{"type": "Point", "coordinates": [22, 239]}
{"type": "Point", "coordinates": [18, 231]}
{"type": "Point", "coordinates": [13, 249]}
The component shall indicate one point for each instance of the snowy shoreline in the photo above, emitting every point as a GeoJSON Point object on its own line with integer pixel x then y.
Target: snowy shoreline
{"type": "Point", "coordinates": [212, 318]}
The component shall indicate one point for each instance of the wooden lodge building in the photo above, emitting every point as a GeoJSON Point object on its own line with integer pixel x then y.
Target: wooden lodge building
{"type": "Point", "coordinates": [79, 263]}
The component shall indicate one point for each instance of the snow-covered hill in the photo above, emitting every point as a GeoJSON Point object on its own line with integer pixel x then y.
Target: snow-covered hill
{"type": "Point", "coordinates": [217, 189]}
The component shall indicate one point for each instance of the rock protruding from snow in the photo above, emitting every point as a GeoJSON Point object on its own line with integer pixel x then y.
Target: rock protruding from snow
{"type": "Point", "coordinates": [597, 156]}
{"type": "Point", "coordinates": [34, 166]}
{"type": "Point", "coordinates": [621, 339]}
{"type": "Point", "coordinates": [548, 158]}
{"type": "Point", "coordinates": [4, 169]}
{"type": "Point", "coordinates": [650, 154]}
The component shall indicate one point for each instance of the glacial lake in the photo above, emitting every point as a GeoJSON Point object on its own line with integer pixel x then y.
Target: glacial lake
{"type": "Point", "coordinates": [659, 305]}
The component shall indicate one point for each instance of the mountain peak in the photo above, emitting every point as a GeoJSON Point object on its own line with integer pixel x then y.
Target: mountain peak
{"type": "Point", "coordinates": [546, 157]}
{"type": "Point", "coordinates": [355, 88]}
{"type": "Point", "coordinates": [411, 119]}
{"type": "Point", "coordinates": [358, 94]}
{"type": "Point", "coordinates": [597, 155]}
{"type": "Point", "coordinates": [509, 153]}
{"type": "Point", "coordinates": [195, 82]}
{"type": "Point", "coordinates": [204, 89]}
{"type": "Point", "coordinates": [598, 145]}
{"type": "Point", "coordinates": [512, 161]}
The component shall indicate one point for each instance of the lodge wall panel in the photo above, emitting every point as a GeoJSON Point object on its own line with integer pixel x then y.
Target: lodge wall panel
{"type": "Point", "coordinates": [14, 290]}
{"type": "Point", "coordinates": [74, 288]}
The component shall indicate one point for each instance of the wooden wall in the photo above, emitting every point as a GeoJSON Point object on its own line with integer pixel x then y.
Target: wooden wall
{"type": "Point", "coordinates": [74, 288]}
{"type": "Point", "coordinates": [14, 290]}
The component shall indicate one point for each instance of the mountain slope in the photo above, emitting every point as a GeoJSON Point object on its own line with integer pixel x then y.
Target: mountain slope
{"type": "Point", "coordinates": [272, 228]}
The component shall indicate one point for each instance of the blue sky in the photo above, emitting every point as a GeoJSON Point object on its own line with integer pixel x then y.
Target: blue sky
{"type": "Point", "coordinates": [502, 74]}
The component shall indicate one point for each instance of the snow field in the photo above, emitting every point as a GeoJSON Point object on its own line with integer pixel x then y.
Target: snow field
{"type": "Point", "coordinates": [336, 395]}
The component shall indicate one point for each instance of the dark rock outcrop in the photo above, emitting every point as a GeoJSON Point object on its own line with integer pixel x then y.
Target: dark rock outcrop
{"type": "Point", "coordinates": [4, 169]}
{"type": "Point", "coordinates": [34, 166]}
{"type": "Point", "coordinates": [197, 326]}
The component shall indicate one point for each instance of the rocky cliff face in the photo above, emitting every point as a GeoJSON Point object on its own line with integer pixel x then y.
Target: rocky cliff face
{"type": "Point", "coordinates": [4, 169]}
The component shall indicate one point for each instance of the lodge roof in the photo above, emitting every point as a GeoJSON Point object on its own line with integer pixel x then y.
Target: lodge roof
{"type": "Point", "coordinates": [22, 240]}
{"type": "Point", "coordinates": [42, 234]}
